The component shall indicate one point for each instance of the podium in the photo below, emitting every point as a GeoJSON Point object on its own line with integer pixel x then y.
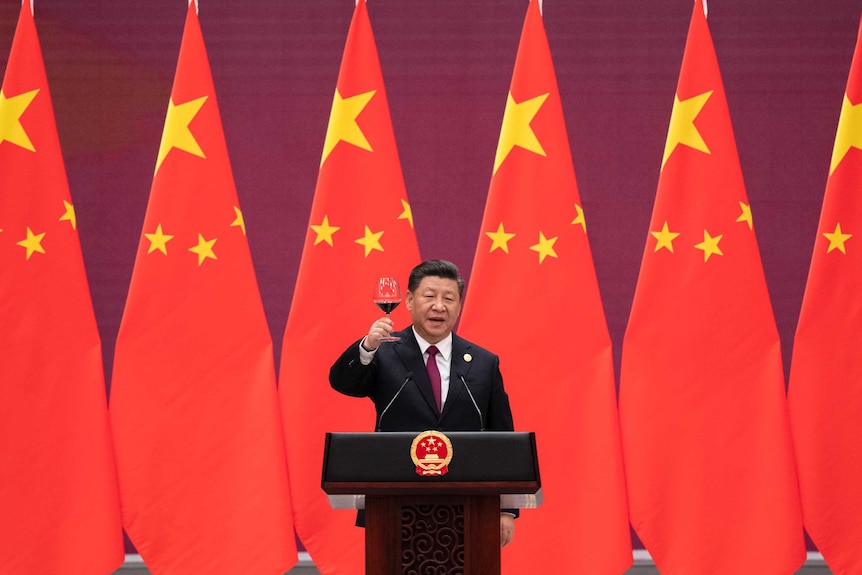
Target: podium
{"type": "Point", "coordinates": [432, 500]}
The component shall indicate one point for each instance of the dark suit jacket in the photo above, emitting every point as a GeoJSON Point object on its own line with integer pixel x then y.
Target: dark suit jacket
{"type": "Point", "coordinates": [414, 408]}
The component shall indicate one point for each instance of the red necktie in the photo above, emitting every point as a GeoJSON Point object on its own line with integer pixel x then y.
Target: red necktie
{"type": "Point", "coordinates": [434, 376]}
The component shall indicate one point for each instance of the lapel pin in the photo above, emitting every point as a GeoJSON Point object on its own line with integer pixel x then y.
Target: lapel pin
{"type": "Point", "coordinates": [468, 358]}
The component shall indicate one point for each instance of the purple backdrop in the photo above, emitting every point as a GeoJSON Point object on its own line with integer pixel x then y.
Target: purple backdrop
{"type": "Point", "coordinates": [447, 66]}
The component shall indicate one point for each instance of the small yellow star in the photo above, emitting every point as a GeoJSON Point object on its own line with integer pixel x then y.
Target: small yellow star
{"type": "Point", "coordinates": [342, 123]}
{"type": "Point", "coordinates": [500, 239]}
{"type": "Point", "coordinates": [545, 247]}
{"type": "Point", "coordinates": [239, 221]}
{"type": "Point", "coordinates": [745, 216]}
{"type": "Point", "coordinates": [176, 133]}
{"type": "Point", "coordinates": [837, 239]}
{"type": "Point", "coordinates": [158, 241]}
{"type": "Point", "coordinates": [664, 238]}
{"type": "Point", "coordinates": [33, 243]}
{"type": "Point", "coordinates": [580, 219]}
{"type": "Point", "coordinates": [709, 245]}
{"type": "Point", "coordinates": [69, 215]}
{"type": "Point", "coordinates": [407, 214]}
{"type": "Point", "coordinates": [324, 231]}
{"type": "Point", "coordinates": [370, 240]}
{"type": "Point", "coordinates": [849, 133]}
{"type": "Point", "coordinates": [204, 249]}
{"type": "Point", "coordinates": [682, 129]}
{"type": "Point", "coordinates": [11, 110]}
{"type": "Point", "coordinates": [516, 130]}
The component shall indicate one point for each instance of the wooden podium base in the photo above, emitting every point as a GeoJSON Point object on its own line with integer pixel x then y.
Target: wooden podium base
{"type": "Point", "coordinates": [450, 535]}
{"type": "Point", "coordinates": [445, 524]}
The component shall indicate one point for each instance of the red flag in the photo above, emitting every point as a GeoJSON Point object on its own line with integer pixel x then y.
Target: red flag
{"type": "Point", "coordinates": [825, 390]}
{"type": "Point", "coordinates": [361, 227]}
{"type": "Point", "coordinates": [533, 249]}
{"type": "Point", "coordinates": [706, 439]}
{"type": "Point", "coordinates": [58, 488]}
{"type": "Point", "coordinates": [194, 408]}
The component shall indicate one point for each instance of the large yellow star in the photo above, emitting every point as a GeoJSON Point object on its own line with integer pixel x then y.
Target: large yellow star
{"type": "Point", "coordinates": [745, 216]}
{"type": "Point", "coordinates": [177, 133]}
{"type": "Point", "coordinates": [158, 241]}
{"type": "Point", "coordinates": [664, 238]}
{"type": "Point", "coordinates": [69, 215]}
{"type": "Point", "coordinates": [370, 240]}
{"type": "Point", "coordinates": [837, 239]}
{"type": "Point", "coordinates": [579, 218]}
{"type": "Point", "coordinates": [407, 213]}
{"type": "Point", "coordinates": [709, 245]}
{"type": "Point", "coordinates": [682, 129]}
{"type": "Point", "coordinates": [204, 249]}
{"type": "Point", "coordinates": [545, 247]}
{"type": "Point", "coordinates": [11, 110]}
{"type": "Point", "coordinates": [342, 123]}
{"type": "Point", "coordinates": [239, 221]}
{"type": "Point", "coordinates": [324, 232]}
{"type": "Point", "coordinates": [516, 130]}
{"type": "Point", "coordinates": [500, 239]}
{"type": "Point", "coordinates": [849, 133]}
{"type": "Point", "coordinates": [33, 243]}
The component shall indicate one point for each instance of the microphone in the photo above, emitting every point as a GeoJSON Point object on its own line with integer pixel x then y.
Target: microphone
{"type": "Point", "coordinates": [479, 411]}
{"type": "Point", "coordinates": [394, 397]}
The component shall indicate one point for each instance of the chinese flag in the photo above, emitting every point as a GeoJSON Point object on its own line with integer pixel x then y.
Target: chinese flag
{"type": "Point", "coordinates": [533, 248]}
{"type": "Point", "coordinates": [194, 408]}
{"type": "Point", "coordinates": [825, 390]}
{"type": "Point", "coordinates": [361, 227]}
{"type": "Point", "coordinates": [706, 437]}
{"type": "Point", "coordinates": [58, 490]}
{"type": "Point", "coordinates": [58, 487]}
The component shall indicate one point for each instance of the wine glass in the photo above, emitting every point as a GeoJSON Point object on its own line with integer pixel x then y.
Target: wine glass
{"type": "Point", "coordinates": [387, 296]}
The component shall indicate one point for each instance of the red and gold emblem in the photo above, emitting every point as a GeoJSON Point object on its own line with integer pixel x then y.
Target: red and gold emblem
{"type": "Point", "coordinates": [431, 452]}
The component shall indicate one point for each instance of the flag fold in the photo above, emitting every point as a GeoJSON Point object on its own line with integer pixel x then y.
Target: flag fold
{"type": "Point", "coordinates": [58, 487]}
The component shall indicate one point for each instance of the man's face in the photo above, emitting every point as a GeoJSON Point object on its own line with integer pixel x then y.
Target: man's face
{"type": "Point", "coordinates": [434, 307]}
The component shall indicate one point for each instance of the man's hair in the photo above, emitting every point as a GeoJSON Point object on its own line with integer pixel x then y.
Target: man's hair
{"type": "Point", "coordinates": [435, 268]}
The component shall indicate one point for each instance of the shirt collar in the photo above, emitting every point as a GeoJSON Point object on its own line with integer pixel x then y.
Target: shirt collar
{"type": "Point", "coordinates": [444, 346]}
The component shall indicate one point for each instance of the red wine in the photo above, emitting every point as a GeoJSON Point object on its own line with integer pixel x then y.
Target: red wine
{"type": "Point", "coordinates": [387, 306]}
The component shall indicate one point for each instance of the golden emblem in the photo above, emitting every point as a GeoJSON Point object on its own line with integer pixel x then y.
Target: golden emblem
{"type": "Point", "coordinates": [431, 452]}
{"type": "Point", "coordinates": [468, 358]}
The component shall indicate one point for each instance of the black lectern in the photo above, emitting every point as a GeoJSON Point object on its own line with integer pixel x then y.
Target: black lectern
{"type": "Point", "coordinates": [432, 500]}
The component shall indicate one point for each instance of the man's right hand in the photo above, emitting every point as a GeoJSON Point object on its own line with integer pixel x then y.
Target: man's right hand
{"type": "Point", "coordinates": [381, 328]}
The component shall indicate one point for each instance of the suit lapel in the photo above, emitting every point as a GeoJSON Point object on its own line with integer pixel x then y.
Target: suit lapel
{"type": "Point", "coordinates": [459, 367]}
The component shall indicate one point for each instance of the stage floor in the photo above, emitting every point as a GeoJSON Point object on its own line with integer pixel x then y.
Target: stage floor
{"type": "Point", "coordinates": [643, 565]}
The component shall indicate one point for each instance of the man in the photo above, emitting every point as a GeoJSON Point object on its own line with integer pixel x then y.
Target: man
{"type": "Point", "coordinates": [397, 375]}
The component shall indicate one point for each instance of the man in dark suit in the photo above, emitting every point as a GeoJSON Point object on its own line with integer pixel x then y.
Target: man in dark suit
{"type": "Point", "coordinates": [459, 389]}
